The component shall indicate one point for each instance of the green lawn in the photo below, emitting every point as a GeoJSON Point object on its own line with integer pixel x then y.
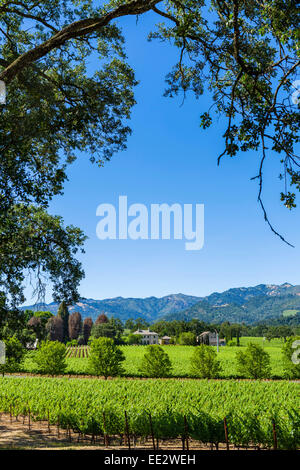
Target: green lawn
{"type": "Point", "coordinates": [180, 357]}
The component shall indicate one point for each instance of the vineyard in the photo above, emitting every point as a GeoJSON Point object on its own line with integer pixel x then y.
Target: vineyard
{"type": "Point", "coordinates": [244, 414]}
{"type": "Point", "coordinates": [78, 351]}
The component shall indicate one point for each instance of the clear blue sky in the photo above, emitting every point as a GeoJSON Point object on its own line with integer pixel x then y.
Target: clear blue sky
{"type": "Point", "coordinates": [170, 159]}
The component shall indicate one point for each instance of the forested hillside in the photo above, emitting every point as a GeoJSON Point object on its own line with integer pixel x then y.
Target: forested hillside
{"type": "Point", "coordinates": [245, 304]}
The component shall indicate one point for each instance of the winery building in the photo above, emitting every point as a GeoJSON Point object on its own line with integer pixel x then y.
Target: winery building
{"type": "Point", "coordinates": [148, 337]}
{"type": "Point", "coordinates": [210, 339]}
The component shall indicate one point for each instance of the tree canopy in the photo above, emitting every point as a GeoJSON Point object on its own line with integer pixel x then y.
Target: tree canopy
{"type": "Point", "coordinates": [245, 52]}
{"type": "Point", "coordinates": [105, 358]}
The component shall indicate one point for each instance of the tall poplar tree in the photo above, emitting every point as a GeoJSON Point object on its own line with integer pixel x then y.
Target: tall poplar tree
{"type": "Point", "coordinates": [63, 313]}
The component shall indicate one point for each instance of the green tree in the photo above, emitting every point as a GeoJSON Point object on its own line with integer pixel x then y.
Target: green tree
{"type": "Point", "coordinates": [63, 313]}
{"type": "Point", "coordinates": [291, 357]}
{"type": "Point", "coordinates": [140, 324]}
{"type": "Point", "coordinates": [14, 323]}
{"type": "Point", "coordinates": [187, 339]}
{"type": "Point", "coordinates": [54, 109]}
{"type": "Point", "coordinates": [204, 362]}
{"type": "Point", "coordinates": [29, 314]}
{"type": "Point", "coordinates": [43, 315]}
{"type": "Point", "coordinates": [112, 328]}
{"type": "Point", "coordinates": [50, 358]}
{"type": "Point", "coordinates": [197, 326]}
{"type": "Point", "coordinates": [279, 331]}
{"type": "Point", "coordinates": [14, 354]}
{"type": "Point", "coordinates": [254, 362]}
{"type": "Point", "coordinates": [129, 324]}
{"type": "Point", "coordinates": [226, 331]}
{"type": "Point", "coordinates": [103, 330]}
{"type": "Point", "coordinates": [105, 358]}
{"type": "Point", "coordinates": [236, 330]}
{"type": "Point", "coordinates": [118, 328]}
{"type": "Point", "coordinates": [35, 242]}
{"type": "Point", "coordinates": [134, 339]}
{"type": "Point", "coordinates": [38, 322]}
{"type": "Point", "coordinates": [155, 362]}
{"type": "Point", "coordinates": [284, 332]}
{"type": "Point", "coordinates": [247, 52]}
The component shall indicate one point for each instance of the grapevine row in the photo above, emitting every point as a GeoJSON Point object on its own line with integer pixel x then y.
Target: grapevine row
{"type": "Point", "coordinates": [78, 351]}
{"type": "Point", "coordinates": [165, 409]}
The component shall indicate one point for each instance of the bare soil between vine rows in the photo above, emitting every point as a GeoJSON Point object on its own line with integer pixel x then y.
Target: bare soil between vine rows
{"type": "Point", "coordinates": [95, 377]}
{"type": "Point", "coordinates": [17, 434]}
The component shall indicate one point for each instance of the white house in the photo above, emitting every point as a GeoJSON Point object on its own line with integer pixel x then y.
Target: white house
{"type": "Point", "coordinates": [148, 337]}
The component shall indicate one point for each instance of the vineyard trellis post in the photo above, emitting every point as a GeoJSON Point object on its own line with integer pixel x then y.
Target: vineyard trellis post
{"type": "Point", "coordinates": [104, 430]}
{"type": "Point", "coordinates": [274, 435]}
{"type": "Point", "coordinates": [48, 416]}
{"type": "Point", "coordinates": [186, 433]}
{"type": "Point", "coordinates": [127, 430]}
{"type": "Point", "coordinates": [58, 423]}
{"type": "Point", "coordinates": [226, 433]}
{"type": "Point", "coordinates": [29, 416]}
{"type": "Point", "coordinates": [152, 432]}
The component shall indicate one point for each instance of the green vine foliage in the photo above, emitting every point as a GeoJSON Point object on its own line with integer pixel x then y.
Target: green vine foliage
{"type": "Point", "coordinates": [95, 408]}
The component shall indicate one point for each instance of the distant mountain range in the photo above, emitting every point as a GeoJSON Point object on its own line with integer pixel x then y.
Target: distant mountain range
{"type": "Point", "coordinates": [244, 304]}
{"type": "Point", "coordinates": [150, 308]}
